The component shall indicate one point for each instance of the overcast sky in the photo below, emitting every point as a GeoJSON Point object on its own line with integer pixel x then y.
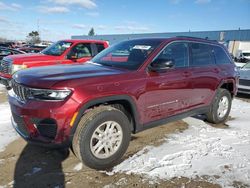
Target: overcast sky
{"type": "Point", "coordinates": [60, 19]}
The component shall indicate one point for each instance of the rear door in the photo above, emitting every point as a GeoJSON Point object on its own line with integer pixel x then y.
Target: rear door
{"type": "Point", "coordinates": [223, 61]}
{"type": "Point", "coordinates": [204, 74]}
{"type": "Point", "coordinates": [82, 52]}
{"type": "Point", "coordinates": [97, 48]}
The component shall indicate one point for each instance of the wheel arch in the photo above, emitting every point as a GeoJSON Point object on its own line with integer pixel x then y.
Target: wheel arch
{"type": "Point", "coordinates": [126, 101]}
{"type": "Point", "coordinates": [229, 85]}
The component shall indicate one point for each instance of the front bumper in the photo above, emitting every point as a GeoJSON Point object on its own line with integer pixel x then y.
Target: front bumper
{"type": "Point", "coordinates": [43, 123]}
{"type": "Point", "coordinates": [244, 86]}
{"type": "Point", "coordinates": [244, 89]}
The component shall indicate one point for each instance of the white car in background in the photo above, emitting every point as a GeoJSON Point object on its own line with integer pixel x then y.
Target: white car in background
{"type": "Point", "coordinates": [244, 56]}
{"type": "Point", "coordinates": [244, 82]}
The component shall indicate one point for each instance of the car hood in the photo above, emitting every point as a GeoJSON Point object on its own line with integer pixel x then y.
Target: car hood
{"type": "Point", "coordinates": [244, 74]}
{"type": "Point", "coordinates": [45, 77]}
{"type": "Point", "coordinates": [31, 57]}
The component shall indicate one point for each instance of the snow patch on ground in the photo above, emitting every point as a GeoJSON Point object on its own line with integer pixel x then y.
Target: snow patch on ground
{"type": "Point", "coordinates": [121, 182]}
{"type": "Point", "coordinates": [223, 154]}
{"type": "Point", "coordinates": [7, 132]}
{"type": "Point", "coordinates": [10, 184]}
{"type": "Point", "coordinates": [78, 167]}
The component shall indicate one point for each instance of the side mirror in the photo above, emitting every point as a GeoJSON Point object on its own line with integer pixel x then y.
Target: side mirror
{"type": "Point", "coordinates": [159, 65]}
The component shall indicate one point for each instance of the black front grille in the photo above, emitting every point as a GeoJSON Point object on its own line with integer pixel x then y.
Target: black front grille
{"type": "Point", "coordinates": [244, 82]}
{"type": "Point", "coordinates": [5, 67]}
{"type": "Point", "coordinates": [21, 92]}
{"type": "Point", "coordinates": [20, 124]}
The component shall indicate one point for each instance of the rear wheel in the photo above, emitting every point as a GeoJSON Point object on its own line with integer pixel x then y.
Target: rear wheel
{"type": "Point", "coordinates": [220, 108]}
{"type": "Point", "coordinates": [102, 137]}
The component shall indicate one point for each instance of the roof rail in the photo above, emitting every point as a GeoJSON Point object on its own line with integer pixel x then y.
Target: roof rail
{"type": "Point", "coordinates": [206, 38]}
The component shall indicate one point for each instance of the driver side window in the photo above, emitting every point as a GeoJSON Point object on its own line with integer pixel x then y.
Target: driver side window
{"type": "Point", "coordinates": [177, 52]}
{"type": "Point", "coordinates": [81, 50]}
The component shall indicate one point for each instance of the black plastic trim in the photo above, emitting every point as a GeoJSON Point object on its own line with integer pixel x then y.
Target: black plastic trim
{"type": "Point", "coordinates": [228, 81]}
{"type": "Point", "coordinates": [27, 138]}
{"type": "Point", "coordinates": [197, 111]}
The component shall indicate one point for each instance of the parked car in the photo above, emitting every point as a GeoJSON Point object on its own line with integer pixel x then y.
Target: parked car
{"type": "Point", "coordinates": [61, 52]}
{"type": "Point", "coordinates": [4, 52]}
{"type": "Point", "coordinates": [129, 87]}
{"type": "Point", "coordinates": [243, 56]}
{"type": "Point", "coordinates": [9, 51]}
{"type": "Point", "coordinates": [244, 81]}
{"type": "Point", "coordinates": [30, 49]}
{"type": "Point", "coordinates": [7, 44]}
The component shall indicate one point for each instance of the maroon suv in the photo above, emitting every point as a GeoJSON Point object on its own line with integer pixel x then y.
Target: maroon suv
{"type": "Point", "coordinates": [131, 86]}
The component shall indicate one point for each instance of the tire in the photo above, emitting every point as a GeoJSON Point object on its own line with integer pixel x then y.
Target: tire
{"type": "Point", "coordinates": [219, 113]}
{"type": "Point", "coordinates": [90, 134]}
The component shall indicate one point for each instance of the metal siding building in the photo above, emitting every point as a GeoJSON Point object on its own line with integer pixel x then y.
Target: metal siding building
{"type": "Point", "coordinates": [223, 35]}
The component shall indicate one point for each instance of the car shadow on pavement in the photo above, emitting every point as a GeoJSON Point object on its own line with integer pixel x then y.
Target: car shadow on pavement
{"type": "Point", "coordinates": [40, 167]}
{"type": "Point", "coordinates": [202, 117]}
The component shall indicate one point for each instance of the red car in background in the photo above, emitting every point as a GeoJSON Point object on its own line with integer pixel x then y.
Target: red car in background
{"type": "Point", "coordinates": [61, 52]}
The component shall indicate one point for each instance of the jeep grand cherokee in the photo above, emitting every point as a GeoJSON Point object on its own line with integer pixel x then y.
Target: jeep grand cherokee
{"type": "Point", "coordinates": [131, 86]}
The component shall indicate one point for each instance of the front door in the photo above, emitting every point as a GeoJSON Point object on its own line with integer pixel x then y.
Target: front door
{"type": "Point", "coordinates": [168, 92]}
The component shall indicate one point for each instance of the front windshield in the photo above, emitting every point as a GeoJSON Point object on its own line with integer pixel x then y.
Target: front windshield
{"type": "Point", "coordinates": [128, 54]}
{"type": "Point", "coordinates": [57, 48]}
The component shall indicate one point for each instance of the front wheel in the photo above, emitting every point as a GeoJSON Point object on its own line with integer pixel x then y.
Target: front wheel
{"type": "Point", "coordinates": [220, 108]}
{"type": "Point", "coordinates": [102, 137]}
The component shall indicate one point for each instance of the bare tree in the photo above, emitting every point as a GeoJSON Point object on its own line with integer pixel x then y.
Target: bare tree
{"type": "Point", "coordinates": [33, 37]}
{"type": "Point", "coordinates": [91, 32]}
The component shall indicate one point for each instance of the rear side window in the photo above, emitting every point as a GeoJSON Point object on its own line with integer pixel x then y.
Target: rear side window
{"type": "Point", "coordinates": [81, 50]}
{"type": "Point", "coordinates": [178, 52]}
{"type": "Point", "coordinates": [201, 54]}
{"type": "Point", "coordinates": [100, 47]}
{"type": "Point", "coordinates": [220, 56]}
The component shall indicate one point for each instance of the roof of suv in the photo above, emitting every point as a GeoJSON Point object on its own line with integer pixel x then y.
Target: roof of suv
{"type": "Point", "coordinates": [83, 40]}
{"type": "Point", "coordinates": [187, 38]}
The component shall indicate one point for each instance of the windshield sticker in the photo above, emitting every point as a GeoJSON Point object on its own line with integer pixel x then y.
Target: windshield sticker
{"type": "Point", "coordinates": [141, 47]}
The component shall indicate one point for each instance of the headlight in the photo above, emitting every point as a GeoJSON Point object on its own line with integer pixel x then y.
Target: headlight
{"type": "Point", "coordinates": [45, 94]}
{"type": "Point", "coordinates": [17, 68]}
